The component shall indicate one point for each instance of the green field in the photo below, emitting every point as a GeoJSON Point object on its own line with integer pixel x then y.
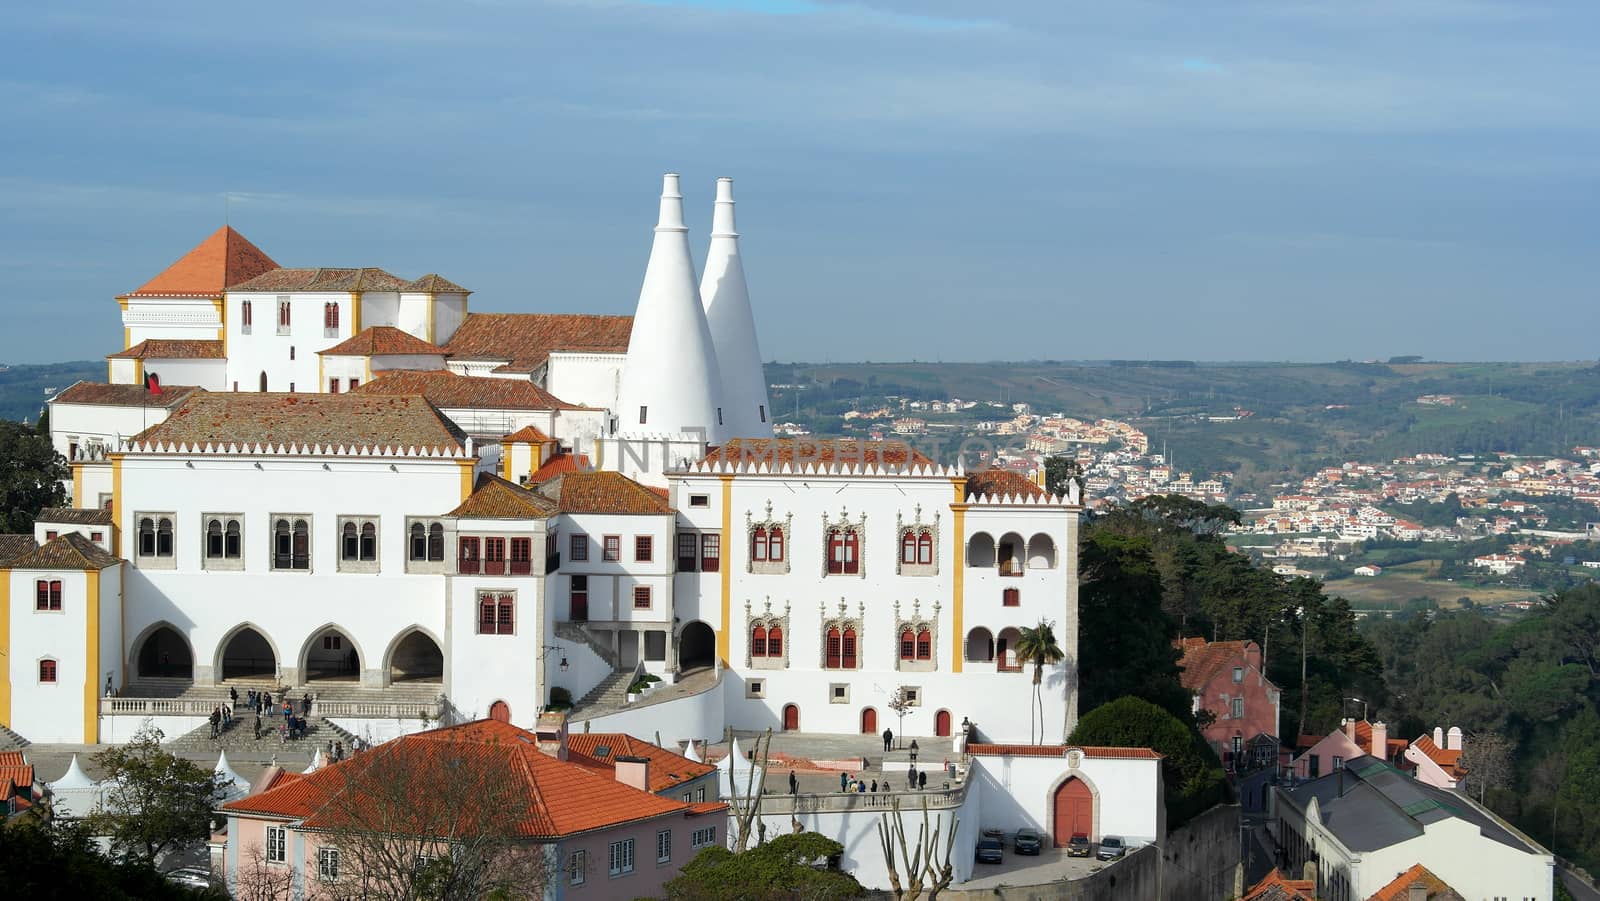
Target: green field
{"type": "Point", "coordinates": [1401, 583]}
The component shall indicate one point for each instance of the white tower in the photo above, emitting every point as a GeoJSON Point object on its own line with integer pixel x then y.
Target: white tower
{"type": "Point", "coordinates": [670, 383]}
{"type": "Point", "coordinates": [733, 326]}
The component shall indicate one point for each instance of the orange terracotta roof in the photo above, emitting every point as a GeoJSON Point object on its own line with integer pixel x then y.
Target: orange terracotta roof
{"type": "Point", "coordinates": [1276, 887]}
{"type": "Point", "coordinates": [101, 394]}
{"type": "Point", "coordinates": [495, 498]}
{"type": "Point", "coordinates": [558, 464]}
{"type": "Point", "coordinates": [804, 451]}
{"type": "Point", "coordinates": [603, 492]}
{"type": "Point", "coordinates": [524, 341]}
{"type": "Point", "coordinates": [77, 516]}
{"type": "Point", "coordinates": [317, 280]}
{"type": "Point", "coordinates": [219, 262]}
{"type": "Point", "coordinates": [336, 420]}
{"type": "Point", "coordinates": [1400, 888]}
{"type": "Point", "coordinates": [701, 808]}
{"type": "Point", "coordinates": [985, 749]}
{"type": "Point", "coordinates": [527, 435]}
{"type": "Point", "coordinates": [14, 546]}
{"type": "Point", "coordinates": [1201, 663]}
{"type": "Point", "coordinates": [599, 751]}
{"type": "Point", "coordinates": [446, 389]}
{"type": "Point", "coordinates": [1449, 761]}
{"type": "Point", "coordinates": [70, 550]}
{"type": "Point", "coordinates": [382, 340]}
{"type": "Point", "coordinates": [1001, 482]}
{"type": "Point", "coordinates": [171, 349]}
{"type": "Point", "coordinates": [433, 283]}
{"type": "Point", "coordinates": [560, 798]}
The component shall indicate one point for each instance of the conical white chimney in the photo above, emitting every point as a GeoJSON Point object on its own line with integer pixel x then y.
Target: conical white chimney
{"type": "Point", "coordinates": [733, 326]}
{"type": "Point", "coordinates": [671, 383]}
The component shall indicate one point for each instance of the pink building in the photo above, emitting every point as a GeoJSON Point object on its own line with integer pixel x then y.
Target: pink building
{"type": "Point", "coordinates": [591, 825]}
{"type": "Point", "coordinates": [1353, 738]}
{"type": "Point", "coordinates": [1437, 757]}
{"type": "Point", "coordinates": [1225, 678]}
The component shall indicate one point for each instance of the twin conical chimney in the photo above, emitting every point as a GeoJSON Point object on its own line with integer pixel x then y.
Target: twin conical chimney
{"type": "Point", "coordinates": [671, 383]}
{"type": "Point", "coordinates": [726, 297]}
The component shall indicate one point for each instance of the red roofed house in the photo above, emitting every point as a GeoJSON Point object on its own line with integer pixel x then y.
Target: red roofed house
{"type": "Point", "coordinates": [586, 830]}
{"type": "Point", "coordinates": [1437, 758]}
{"type": "Point", "coordinates": [1353, 738]}
{"type": "Point", "coordinates": [1225, 678]}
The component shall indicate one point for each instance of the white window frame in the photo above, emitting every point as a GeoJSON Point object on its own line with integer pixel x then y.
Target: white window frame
{"type": "Point", "coordinates": [620, 862]}
{"type": "Point", "coordinates": [277, 844]}
{"type": "Point", "coordinates": [1238, 674]}
{"type": "Point", "coordinates": [328, 864]}
{"type": "Point", "coordinates": [156, 560]}
{"type": "Point", "coordinates": [703, 838]}
{"type": "Point", "coordinates": [577, 867]}
{"type": "Point", "coordinates": [358, 565]}
{"type": "Point", "coordinates": [1236, 707]}
{"type": "Point", "coordinates": [664, 846]}
{"type": "Point", "coordinates": [224, 562]}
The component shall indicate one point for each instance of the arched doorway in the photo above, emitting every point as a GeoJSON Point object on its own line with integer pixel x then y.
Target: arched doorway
{"type": "Point", "coordinates": [500, 711]}
{"type": "Point", "coordinates": [869, 721]}
{"type": "Point", "coordinates": [165, 655]}
{"type": "Point", "coordinates": [416, 658]}
{"type": "Point", "coordinates": [980, 550]}
{"type": "Point", "coordinates": [941, 723]}
{"type": "Point", "coordinates": [791, 718]}
{"type": "Point", "coordinates": [697, 647]}
{"type": "Point", "coordinates": [980, 646]}
{"type": "Point", "coordinates": [1005, 650]}
{"type": "Point", "coordinates": [248, 655]}
{"type": "Point", "coordinates": [1074, 809]}
{"type": "Point", "coordinates": [263, 381]}
{"type": "Point", "coordinates": [331, 656]}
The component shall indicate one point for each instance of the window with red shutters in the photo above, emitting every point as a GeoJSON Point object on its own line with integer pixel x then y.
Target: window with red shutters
{"type": "Point", "coordinates": [775, 545]}
{"type": "Point", "coordinates": [908, 548]}
{"type": "Point", "coordinates": [496, 613]}
{"type": "Point", "coordinates": [612, 549]}
{"type": "Point", "coordinates": [47, 671]}
{"type": "Point", "coordinates": [833, 653]}
{"type": "Point", "coordinates": [48, 596]}
{"type": "Point", "coordinates": [925, 548]}
{"type": "Point", "coordinates": [908, 645]}
{"type": "Point", "coordinates": [521, 556]}
{"type": "Point", "coordinates": [244, 318]}
{"type": "Point", "coordinates": [849, 649]}
{"type": "Point", "coordinates": [467, 561]}
{"type": "Point", "coordinates": [641, 597]}
{"type": "Point", "coordinates": [688, 552]}
{"type": "Point", "coordinates": [710, 553]}
{"type": "Point", "coordinates": [1011, 597]}
{"type": "Point", "coordinates": [844, 552]}
{"type": "Point", "coordinates": [578, 547]}
{"type": "Point", "coordinates": [494, 556]}
{"type": "Point", "coordinates": [758, 641]}
{"type": "Point", "coordinates": [644, 548]}
{"type": "Point", "coordinates": [775, 642]}
{"type": "Point", "coordinates": [758, 545]}
{"type": "Point", "coordinates": [924, 645]}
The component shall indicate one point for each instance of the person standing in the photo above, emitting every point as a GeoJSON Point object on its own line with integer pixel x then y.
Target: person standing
{"type": "Point", "coordinates": [794, 784]}
{"type": "Point", "coordinates": [258, 726]}
{"type": "Point", "coordinates": [913, 750]}
{"type": "Point", "coordinates": [233, 695]}
{"type": "Point", "coordinates": [911, 777]}
{"type": "Point", "coordinates": [844, 781]}
{"type": "Point", "coordinates": [922, 780]}
{"type": "Point", "coordinates": [874, 788]}
{"type": "Point", "coordinates": [888, 739]}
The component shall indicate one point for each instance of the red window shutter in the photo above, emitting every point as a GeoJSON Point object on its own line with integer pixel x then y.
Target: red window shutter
{"type": "Point", "coordinates": [494, 556]}
{"type": "Point", "coordinates": [775, 546]}
{"type": "Point", "coordinates": [849, 649]}
{"type": "Point", "coordinates": [908, 645]}
{"type": "Point", "coordinates": [505, 614]}
{"type": "Point", "coordinates": [775, 642]}
{"type": "Point", "coordinates": [852, 552]}
{"type": "Point", "coordinates": [908, 548]}
{"type": "Point", "coordinates": [924, 645]}
{"type": "Point", "coordinates": [758, 545]}
{"type": "Point", "coordinates": [688, 551]}
{"type": "Point", "coordinates": [55, 595]}
{"type": "Point", "coordinates": [521, 556]}
{"type": "Point", "coordinates": [42, 598]}
{"type": "Point", "coordinates": [486, 617]}
{"type": "Point", "coordinates": [925, 548]}
{"type": "Point", "coordinates": [1011, 597]}
{"type": "Point", "coordinates": [758, 642]}
{"type": "Point", "coordinates": [467, 560]}
{"type": "Point", "coordinates": [711, 553]}
{"type": "Point", "coordinates": [833, 649]}
{"type": "Point", "coordinates": [835, 552]}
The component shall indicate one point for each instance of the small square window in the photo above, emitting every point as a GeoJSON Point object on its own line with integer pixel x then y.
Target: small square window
{"type": "Point", "coordinates": [755, 688]}
{"type": "Point", "coordinates": [913, 695]}
{"type": "Point", "coordinates": [47, 671]}
{"type": "Point", "coordinates": [699, 500]}
{"type": "Point", "coordinates": [641, 597]}
{"type": "Point", "coordinates": [1238, 674]}
{"type": "Point", "coordinates": [839, 693]}
{"type": "Point", "coordinates": [578, 547]}
{"type": "Point", "coordinates": [643, 548]}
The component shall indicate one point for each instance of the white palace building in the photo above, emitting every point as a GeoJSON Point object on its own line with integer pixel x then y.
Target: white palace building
{"type": "Point", "coordinates": [345, 482]}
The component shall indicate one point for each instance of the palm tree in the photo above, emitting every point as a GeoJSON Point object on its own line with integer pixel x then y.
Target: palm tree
{"type": "Point", "coordinates": [1037, 645]}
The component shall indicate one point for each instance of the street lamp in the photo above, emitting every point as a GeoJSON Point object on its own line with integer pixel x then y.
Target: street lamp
{"type": "Point", "coordinates": [1363, 706]}
{"type": "Point", "coordinates": [545, 650]}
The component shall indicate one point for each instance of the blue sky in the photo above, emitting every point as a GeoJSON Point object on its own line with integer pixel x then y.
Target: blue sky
{"type": "Point", "coordinates": [918, 179]}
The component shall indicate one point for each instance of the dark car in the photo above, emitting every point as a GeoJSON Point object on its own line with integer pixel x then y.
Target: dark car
{"type": "Point", "coordinates": [1111, 848]}
{"type": "Point", "coordinates": [1078, 846]}
{"type": "Point", "coordinates": [990, 850]}
{"type": "Point", "coordinates": [1026, 842]}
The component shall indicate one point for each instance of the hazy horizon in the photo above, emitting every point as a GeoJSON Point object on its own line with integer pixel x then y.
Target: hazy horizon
{"type": "Point", "coordinates": [917, 179]}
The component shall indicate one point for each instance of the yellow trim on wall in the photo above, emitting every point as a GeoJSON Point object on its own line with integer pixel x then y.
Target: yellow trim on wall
{"type": "Point", "coordinates": [505, 460]}
{"type": "Point", "coordinates": [431, 305]}
{"type": "Point", "coordinates": [467, 467]}
{"type": "Point", "coordinates": [91, 658]}
{"type": "Point", "coordinates": [726, 567]}
{"type": "Point", "coordinates": [116, 504]}
{"type": "Point", "coordinates": [355, 312]}
{"type": "Point", "coordinates": [5, 646]}
{"type": "Point", "coordinates": [958, 581]}
{"type": "Point", "coordinates": [111, 371]}
{"type": "Point", "coordinates": [138, 372]}
{"type": "Point", "coordinates": [222, 330]}
{"type": "Point", "coordinates": [77, 486]}
{"type": "Point", "coordinates": [322, 380]}
{"type": "Point", "coordinates": [127, 337]}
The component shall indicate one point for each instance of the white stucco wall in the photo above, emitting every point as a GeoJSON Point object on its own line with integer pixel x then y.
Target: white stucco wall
{"type": "Point", "coordinates": [589, 379]}
{"type": "Point", "coordinates": [1020, 791]}
{"type": "Point", "coordinates": [187, 318]}
{"type": "Point", "coordinates": [211, 375]}
{"type": "Point", "coordinates": [264, 350]}
{"type": "Point", "coordinates": [55, 712]}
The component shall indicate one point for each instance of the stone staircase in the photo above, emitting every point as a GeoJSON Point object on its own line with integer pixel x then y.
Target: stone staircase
{"type": "Point", "coordinates": [11, 741]}
{"type": "Point", "coordinates": [611, 694]}
{"type": "Point", "coordinates": [577, 634]}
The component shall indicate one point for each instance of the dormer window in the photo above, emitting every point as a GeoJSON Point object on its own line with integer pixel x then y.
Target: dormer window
{"type": "Point", "coordinates": [643, 414]}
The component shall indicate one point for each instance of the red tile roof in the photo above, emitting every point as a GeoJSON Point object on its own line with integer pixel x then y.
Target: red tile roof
{"type": "Point", "coordinates": [558, 464]}
{"type": "Point", "coordinates": [1201, 663]}
{"type": "Point", "coordinates": [527, 434]}
{"type": "Point", "coordinates": [433, 283]}
{"type": "Point", "coordinates": [603, 492]}
{"type": "Point", "coordinates": [1400, 888]}
{"type": "Point", "coordinates": [221, 261]}
{"type": "Point", "coordinates": [70, 550]}
{"type": "Point", "coordinates": [803, 451]}
{"type": "Point", "coordinates": [524, 341]}
{"type": "Point", "coordinates": [1276, 887]}
{"type": "Point", "coordinates": [985, 749]}
{"type": "Point", "coordinates": [1001, 482]}
{"type": "Point", "coordinates": [171, 349]}
{"type": "Point", "coordinates": [78, 516]}
{"type": "Point", "coordinates": [14, 546]}
{"type": "Point", "coordinates": [315, 280]}
{"type": "Point", "coordinates": [446, 389]}
{"type": "Point", "coordinates": [599, 751]}
{"type": "Point", "coordinates": [1449, 761]}
{"type": "Point", "coordinates": [101, 394]}
{"type": "Point", "coordinates": [382, 340]}
{"type": "Point", "coordinates": [337, 420]}
{"type": "Point", "coordinates": [560, 798]}
{"type": "Point", "coordinates": [495, 498]}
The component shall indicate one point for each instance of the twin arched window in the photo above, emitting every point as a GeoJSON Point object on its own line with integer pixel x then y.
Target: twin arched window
{"type": "Point", "coordinates": [427, 543]}
{"type": "Point", "coordinates": [223, 539]}
{"type": "Point", "coordinates": [766, 642]}
{"type": "Point", "coordinates": [766, 544]}
{"type": "Point", "coordinates": [916, 644]}
{"type": "Point", "coordinates": [844, 552]}
{"type": "Point", "coordinates": [840, 648]}
{"type": "Point", "coordinates": [330, 317]}
{"type": "Point", "coordinates": [916, 547]}
{"type": "Point", "coordinates": [359, 542]}
{"type": "Point", "coordinates": [155, 536]}
{"type": "Point", "coordinates": [291, 544]}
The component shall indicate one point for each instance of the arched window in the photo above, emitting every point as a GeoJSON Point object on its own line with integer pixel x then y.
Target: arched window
{"type": "Point", "coordinates": [349, 542]}
{"type": "Point", "coordinates": [908, 548]}
{"type": "Point", "coordinates": [263, 382]}
{"type": "Point", "coordinates": [758, 545]}
{"type": "Point", "coordinates": [47, 670]}
{"type": "Point", "coordinates": [775, 642]}
{"type": "Point", "coordinates": [924, 645]}
{"type": "Point", "coordinates": [908, 645]}
{"type": "Point", "coordinates": [232, 546]}
{"type": "Point", "coordinates": [369, 537]}
{"type": "Point", "coordinates": [419, 542]}
{"type": "Point", "coordinates": [758, 641]}
{"type": "Point", "coordinates": [925, 548]}
{"type": "Point", "coordinates": [775, 545]}
{"type": "Point", "coordinates": [291, 544]}
{"type": "Point", "coordinates": [833, 656]}
{"type": "Point", "coordinates": [849, 649]}
{"type": "Point", "coordinates": [214, 538]}
{"type": "Point", "coordinates": [163, 537]}
{"type": "Point", "coordinates": [844, 552]}
{"type": "Point", "coordinates": [436, 542]}
{"type": "Point", "coordinates": [244, 318]}
{"type": "Point", "coordinates": [147, 537]}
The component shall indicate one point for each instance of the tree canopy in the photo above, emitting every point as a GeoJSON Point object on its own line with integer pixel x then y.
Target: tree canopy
{"type": "Point", "coordinates": [56, 860]}
{"type": "Point", "coordinates": [31, 476]}
{"type": "Point", "coordinates": [787, 868]}
{"type": "Point", "coordinates": [156, 802]}
{"type": "Point", "coordinates": [1191, 772]}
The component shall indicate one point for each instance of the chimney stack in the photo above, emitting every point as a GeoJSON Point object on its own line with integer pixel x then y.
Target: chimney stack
{"type": "Point", "coordinates": [1454, 737]}
{"type": "Point", "coordinates": [1252, 654]}
{"type": "Point", "coordinates": [1380, 741]}
{"type": "Point", "coordinates": [550, 733]}
{"type": "Point", "coordinates": [726, 298]}
{"type": "Point", "coordinates": [634, 771]}
{"type": "Point", "coordinates": [1349, 725]}
{"type": "Point", "coordinates": [1438, 737]}
{"type": "Point", "coordinates": [1417, 892]}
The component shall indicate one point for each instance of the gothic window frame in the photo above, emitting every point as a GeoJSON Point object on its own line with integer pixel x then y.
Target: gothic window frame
{"type": "Point", "coordinates": [917, 624]}
{"type": "Point", "coordinates": [768, 620]}
{"type": "Point", "coordinates": [433, 537]}
{"type": "Point", "coordinates": [924, 537]}
{"type": "Point", "coordinates": [224, 534]}
{"type": "Point", "coordinates": [359, 537]}
{"type": "Point", "coordinates": [845, 624]}
{"type": "Point", "coordinates": [768, 525]}
{"type": "Point", "coordinates": [856, 530]}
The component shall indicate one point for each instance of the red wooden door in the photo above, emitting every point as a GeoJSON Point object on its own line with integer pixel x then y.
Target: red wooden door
{"type": "Point", "coordinates": [791, 718]}
{"type": "Point", "coordinates": [499, 710]}
{"type": "Point", "coordinates": [1074, 811]}
{"type": "Point", "coordinates": [941, 723]}
{"type": "Point", "coordinates": [869, 722]}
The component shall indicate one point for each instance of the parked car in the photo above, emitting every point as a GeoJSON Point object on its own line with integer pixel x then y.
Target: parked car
{"type": "Point", "coordinates": [991, 850]}
{"type": "Point", "coordinates": [1111, 848]}
{"type": "Point", "coordinates": [1078, 846]}
{"type": "Point", "coordinates": [191, 877]}
{"type": "Point", "coordinates": [1026, 841]}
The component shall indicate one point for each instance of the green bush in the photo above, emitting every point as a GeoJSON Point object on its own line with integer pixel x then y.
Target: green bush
{"type": "Point", "coordinates": [1191, 772]}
